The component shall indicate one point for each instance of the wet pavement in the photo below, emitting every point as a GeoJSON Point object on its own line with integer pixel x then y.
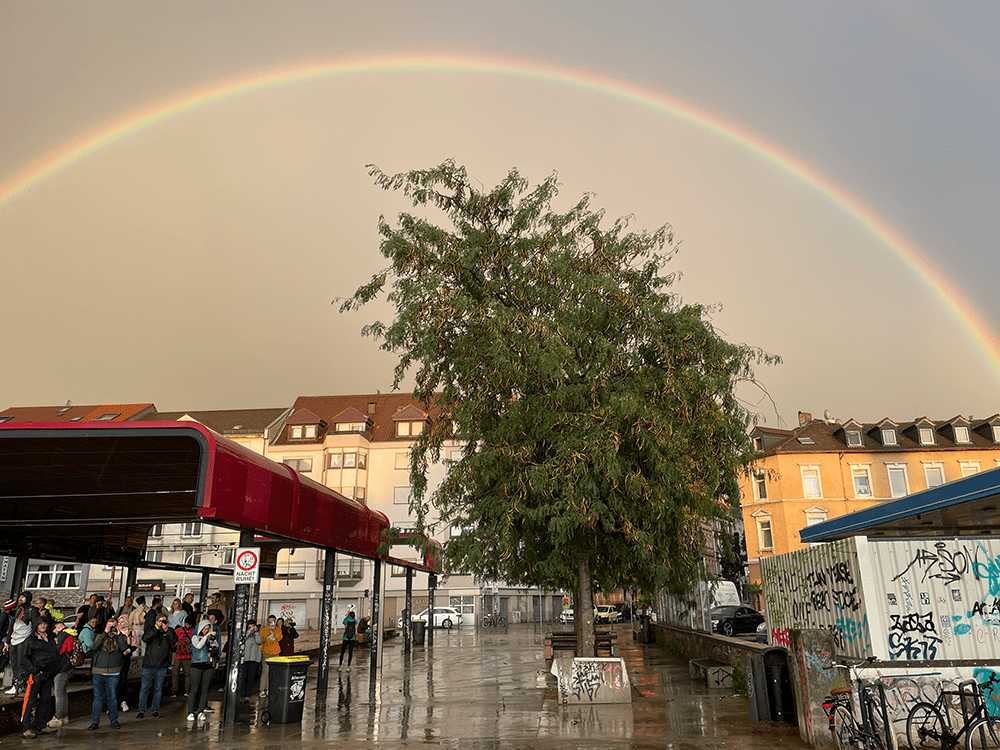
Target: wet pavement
{"type": "Point", "coordinates": [472, 689]}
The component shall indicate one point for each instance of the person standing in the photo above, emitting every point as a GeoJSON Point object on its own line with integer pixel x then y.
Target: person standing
{"type": "Point", "coordinates": [363, 626]}
{"type": "Point", "coordinates": [42, 657]}
{"type": "Point", "coordinates": [188, 604]}
{"type": "Point", "coordinates": [270, 646]}
{"type": "Point", "coordinates": [251, 659]}
{"type": "Point", "coordinates": [160, 642]}
{"type": "Point", "coordinates": [106, 665]}
{"type": "Point", "coordinates": [350, 630]}
{"type": "Point", "coordinates": [126, 608]}
{"type": "Point", "coordinates": [181, 663]}
{"type": "Point", "coordinates": [220, 609]}
{"type": "Point", "coordinates": [65, 639]}
{"type": "Point", "coordinates": [137, 620]}
{"type": "Point", "coordinates": [133, 645]}
{"type": "Point", "coordinates": [23, 622]}
{"type": "Point", "coordinates": [204, 654]}
{"type": "Point", "coordinates": [177, 614]}
{"type": "Point", "coordinates": [288, 636]}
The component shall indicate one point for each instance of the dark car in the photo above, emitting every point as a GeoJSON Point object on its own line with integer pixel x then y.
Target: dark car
{"type": "Point", "coordinates": [624, 611]}
{"type": "Point", "coordinates": [733, 620]}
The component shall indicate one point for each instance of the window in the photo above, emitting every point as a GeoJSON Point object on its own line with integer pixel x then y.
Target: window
{"type": "Point", "coordinates": [397, 571]}
{"type": "Point", "coordinates": [154, 555]}
{"type": "Point", "coordinates": [362, 460]}
{"type": "Point", "coordinates": [191, 530]}
{"type": "Point", "coordinates": [996, 433]}
{"type": "Point", "coordinates": [862, 481]}
{"type": "Point", "coordinates": [815, 515]}
{"type": "Point", "coordinates": [156, 531]}
{"type": "Point", "coordinates": [934, 474]}
{"type": "Point", "coordinates": [764, 533]}
{"type": "Point", "coordinates": [889, 437]}
{"type": "Point", "coordinates": [969, 468]}
{"type": "Point", "coordinates": [402, 460]}
{"type": "Point", "coordinates": [401, 496]}
{"type": "Point", "coordinates": [350, 460]}
{"type": "Point", "coordinates": [760, 485]}
{"type": "Point", "coordinates": [108, 417]}
{"type": "Point", "coordinates": [53, 576]}
{"type": "Point", "coordinates": [359, 493]}
{"type": "Point", "coordinates": [758, 443]}
{"type": "Point", "coordinates": [898, 486]}
{"type": "Point", "coordinates": [455, 455]}
{"type": "Point", "coordinates": [854, 439]}
{"type": "Point", "coordinates": [64, 410]}
{"type": "Point", "coordinates": [350, 427]}
{"type": "Point", "coordinates": [926, 436]}
{"type": "Point", "coordinates": [962, 434]}
{"type": "Point", "coordinates": [303, 432]}
{"type": "Point", "coordinates": [810, 482]}
{"type": "Point", "coordinates": [287, 567]}
{"type": "Point", "coordinates": [228, 556]}
{"type": "Point", "coordinates": [336, 461]}
{"type": "Point", "coordinates": [464, 604]}
{"type": "Point", "coordinates": [806, 440]}
{"type": "Point", "coordinates": [406, 429]}
{"type": "Point", "coordinates": [301, 465]}
{"type": "Point", "coordinates": [192, 557]}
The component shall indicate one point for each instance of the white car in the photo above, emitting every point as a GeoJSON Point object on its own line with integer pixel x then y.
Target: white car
{"type": "Point", "coordinates": [444, 617]}
{"type": "Point", "coordinates": [566, 616]}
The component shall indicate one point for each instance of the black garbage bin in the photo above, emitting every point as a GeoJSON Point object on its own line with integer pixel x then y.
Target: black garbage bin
{"type": "Point", "coordinates": [645, 635]}
{"type": "Point", "coordinates": [286, 688]}
{"type": "Point", "coordinates": [757, 696]}
{"type": "Point", "coordinates": [781, 699]}
{"type": "Point", "coordinates": [419, 631]}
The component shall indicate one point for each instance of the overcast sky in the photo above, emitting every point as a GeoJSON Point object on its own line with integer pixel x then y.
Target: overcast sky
{"type": "Point", "coordinates": [193, 262]}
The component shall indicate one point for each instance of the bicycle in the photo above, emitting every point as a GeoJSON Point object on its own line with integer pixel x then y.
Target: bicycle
{"type": "Point", "coordinates": [929, 727]}
{"type": "Point", "coordinates": [493, 619]}
{"type": "Point", "coordinates": [874, 731]}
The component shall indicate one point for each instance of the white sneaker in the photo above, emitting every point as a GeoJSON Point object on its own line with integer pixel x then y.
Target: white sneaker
{"type": "Point", "coordinates": [208, 710]}
{"type": "Point", "coordinates": [124, 707]}
{"type": "Point", "coordinates": [191, 717]}
{"type": "Point", "coordinates": [12, 691]}
{"type": "Point", "coordinates": [203, 716]}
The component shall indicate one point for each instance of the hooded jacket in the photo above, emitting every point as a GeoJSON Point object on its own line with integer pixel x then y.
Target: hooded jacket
{"type": "Point", "coordinates": [24, 617]}
{"type": "Point", "coordinates": [204, 651]}
{"type": "Point", "coordinates": [251, 646]}
{"type": "Point", "coordinates": [43, 655]}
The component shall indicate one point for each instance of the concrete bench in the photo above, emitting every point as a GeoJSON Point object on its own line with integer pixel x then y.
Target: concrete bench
{"type": "Point", "coordinates": [556, 642]}
{"type": "Point", "coordinates": [717, 674]}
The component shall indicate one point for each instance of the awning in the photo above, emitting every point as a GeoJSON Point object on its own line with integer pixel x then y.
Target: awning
{"type": "Point", "coordinates": [90, 492]}
{"type": "Point", "coordinates": [965, 507]}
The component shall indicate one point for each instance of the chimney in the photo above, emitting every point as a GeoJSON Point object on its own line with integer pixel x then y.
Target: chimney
{"type": "Point", "coordinates": [371, 407]}
{"type": "Point", "coordinates": [804, 418]}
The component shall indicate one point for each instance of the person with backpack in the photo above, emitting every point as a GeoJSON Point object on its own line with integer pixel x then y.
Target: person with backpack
{"type": "Point", "coordinates": [68, 644]}
{"type": "Point", "coordinates": [350, 636]}
{"type": "Point", "coordinates": [181, 664]}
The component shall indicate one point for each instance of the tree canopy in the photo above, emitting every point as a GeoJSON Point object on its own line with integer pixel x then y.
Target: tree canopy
{"type": "Point", "coordinates": [597, 412]}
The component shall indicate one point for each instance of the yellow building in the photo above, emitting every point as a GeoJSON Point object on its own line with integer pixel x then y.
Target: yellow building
{"type": "Point", "coordinates": [826, 468]}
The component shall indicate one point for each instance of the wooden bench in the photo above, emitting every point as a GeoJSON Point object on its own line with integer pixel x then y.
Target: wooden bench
{"type": "Point", "coordinates": [717, 674]}
{"type": "Point", "coordinates": [566, 642]}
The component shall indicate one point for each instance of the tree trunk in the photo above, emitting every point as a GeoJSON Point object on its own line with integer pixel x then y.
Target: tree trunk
{"type": "Point", "coordinates": [587, 643]}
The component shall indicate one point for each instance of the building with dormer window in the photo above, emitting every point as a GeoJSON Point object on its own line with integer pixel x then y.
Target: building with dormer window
{"type": "Point", "coordinates": [826, 468]}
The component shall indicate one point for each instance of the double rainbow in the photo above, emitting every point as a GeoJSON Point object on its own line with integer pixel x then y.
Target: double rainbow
{"type": "Point", "coordinates": [959, 309]}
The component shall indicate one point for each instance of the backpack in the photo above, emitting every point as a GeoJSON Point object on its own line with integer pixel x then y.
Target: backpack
{"type": "Point", "coordinates": [77, 655]}
{"type": "Point", "coordinates": [349, 631]}
{"type": "Point", "coordinates": [183, 647]}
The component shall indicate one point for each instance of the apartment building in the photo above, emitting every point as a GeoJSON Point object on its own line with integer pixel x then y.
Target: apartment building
{"type": "Point", "coordinates": [826, 468]}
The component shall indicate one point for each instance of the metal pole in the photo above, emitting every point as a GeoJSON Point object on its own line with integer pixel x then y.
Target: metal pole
{"type": "Point", "coordinates": [431, 585]}
{"type": "Point", "coordinates": [376, 633]}
{"type": "Point", "coordinates": [408, 612]}
{"type": "Point", "coordinates": [237, 637]}
{"type": "Point", "coordinates": [18, 576]}
{"type": "Point", "coordinates": [203, 592]}
{"type": "Point", "coordinates": [326, 621]}
{"type": "Point", "coordinates": [130, 577]}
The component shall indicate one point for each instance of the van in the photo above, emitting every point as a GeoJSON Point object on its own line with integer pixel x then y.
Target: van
{"type": "Point", "coordinates": [724, 594]}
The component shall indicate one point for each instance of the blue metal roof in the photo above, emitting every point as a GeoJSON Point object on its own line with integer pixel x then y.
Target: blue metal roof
{"type": "Point", "coordinates": [967, 506]}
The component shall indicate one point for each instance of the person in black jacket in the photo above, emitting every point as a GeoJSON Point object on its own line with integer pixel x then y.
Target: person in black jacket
{"type": "Point", "coordinates": [106, 664]}
{"type": "Point", "coordinates": [160, 642]}
{"type": "Point", "coordinates": [42, 657]}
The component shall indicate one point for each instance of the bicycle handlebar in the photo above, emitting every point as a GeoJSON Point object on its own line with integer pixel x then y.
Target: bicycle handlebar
{"type": "Point", "coordinates": [869, 661]}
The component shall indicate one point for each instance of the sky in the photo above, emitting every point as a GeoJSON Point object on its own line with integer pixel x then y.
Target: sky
{"type": "Point", "coordinates": [183, 186]}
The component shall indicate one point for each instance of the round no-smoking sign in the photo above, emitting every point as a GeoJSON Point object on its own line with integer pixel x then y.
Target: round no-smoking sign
{"type": "Point", "coordinates": [247, 568]}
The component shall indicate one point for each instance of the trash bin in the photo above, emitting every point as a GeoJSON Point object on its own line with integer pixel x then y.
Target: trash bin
{"type": "Point", "coordinates": [760, 710]}
{"type": "Point", "coordinates": [645, 635]}
{"type": "Point", "coordinates": [286, 688]}
{"type": "Point", "coordinates": [781, 699]}
{"type": "Point", "coordinates": [419, 631]}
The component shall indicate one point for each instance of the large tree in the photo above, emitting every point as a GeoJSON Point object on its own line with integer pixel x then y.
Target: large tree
{"type": "Point", "coordinates": [598, 413]}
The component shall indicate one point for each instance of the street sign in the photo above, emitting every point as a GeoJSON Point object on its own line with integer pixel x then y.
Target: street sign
{"type": "Point", "coordinates": [247, 568]}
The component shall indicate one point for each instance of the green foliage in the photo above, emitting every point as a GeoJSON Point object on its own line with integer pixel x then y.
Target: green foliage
{"type": "Point", "coordinates": [598, 413]}
{"type": "Point", "coordinates": [732, 555]}
{"type": "Point", "coordinates": [740, 681]}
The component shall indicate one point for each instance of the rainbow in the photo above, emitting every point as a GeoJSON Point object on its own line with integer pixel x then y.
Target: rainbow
{"type": "Point", "coordinates": [957, 308]}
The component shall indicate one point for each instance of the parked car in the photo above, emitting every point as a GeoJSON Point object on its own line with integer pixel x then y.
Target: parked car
{"type": "Point", "coordinates": [733, 620]}
{"type": "Point", "coordinates": [606, 614]}
{"type": "Point", "coordinates": [762, 633]}
{"type": "Point", "coordinates": [566, 616]}
{"type": "Point", "coordinates": [624, 611]}
{"type": "Point", "coordinates": [444, 617]}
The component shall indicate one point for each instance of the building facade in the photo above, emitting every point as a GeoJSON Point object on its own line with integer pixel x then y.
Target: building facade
{"type": "Point", "coordinates": [826, 468]}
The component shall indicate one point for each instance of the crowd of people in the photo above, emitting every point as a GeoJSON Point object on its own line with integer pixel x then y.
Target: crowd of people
{"type": "Point", "coordinates": [44, 647]}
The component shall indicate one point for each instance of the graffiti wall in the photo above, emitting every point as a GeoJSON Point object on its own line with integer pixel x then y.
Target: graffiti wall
{"type": "Point", "coordinates": [592, 680]}
{"type": "Point", "coordinates": [817, 589]}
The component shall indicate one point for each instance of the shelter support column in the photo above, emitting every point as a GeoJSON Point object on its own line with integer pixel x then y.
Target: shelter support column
{"type": "Point", "coordinates": [237, 636]}
{"type": "Point", "coordinates": [203, 591]}
{"type": "Point", "coordinates": [376, 634]}
{"type": "Point", "coordinates": [128, 590]}
{"type": "Point", "coordinates": [408, 612]}
{"type": "Point", "coordinates": [326, 621]}
{"type": "Point", "coordinates": [18, 575]}
{"type": "Point", "coordinates": [431, 585]}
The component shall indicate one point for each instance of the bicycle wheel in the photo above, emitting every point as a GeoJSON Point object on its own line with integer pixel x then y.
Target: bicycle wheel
{"type": "Point", "coordinates": [486, 622]}
{"type": "Point", "coordinates": [984, 734]}
{"type": "Point", "coordinates": [845, 730]}
{"type": "Point", "coordinates": [925, 728]}
{"type": "Point", "coordinates": [501, 621]}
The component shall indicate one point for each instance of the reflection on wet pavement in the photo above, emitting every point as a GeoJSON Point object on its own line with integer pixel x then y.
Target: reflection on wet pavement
{"type": "Point", "coordinates": [470, 690]}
